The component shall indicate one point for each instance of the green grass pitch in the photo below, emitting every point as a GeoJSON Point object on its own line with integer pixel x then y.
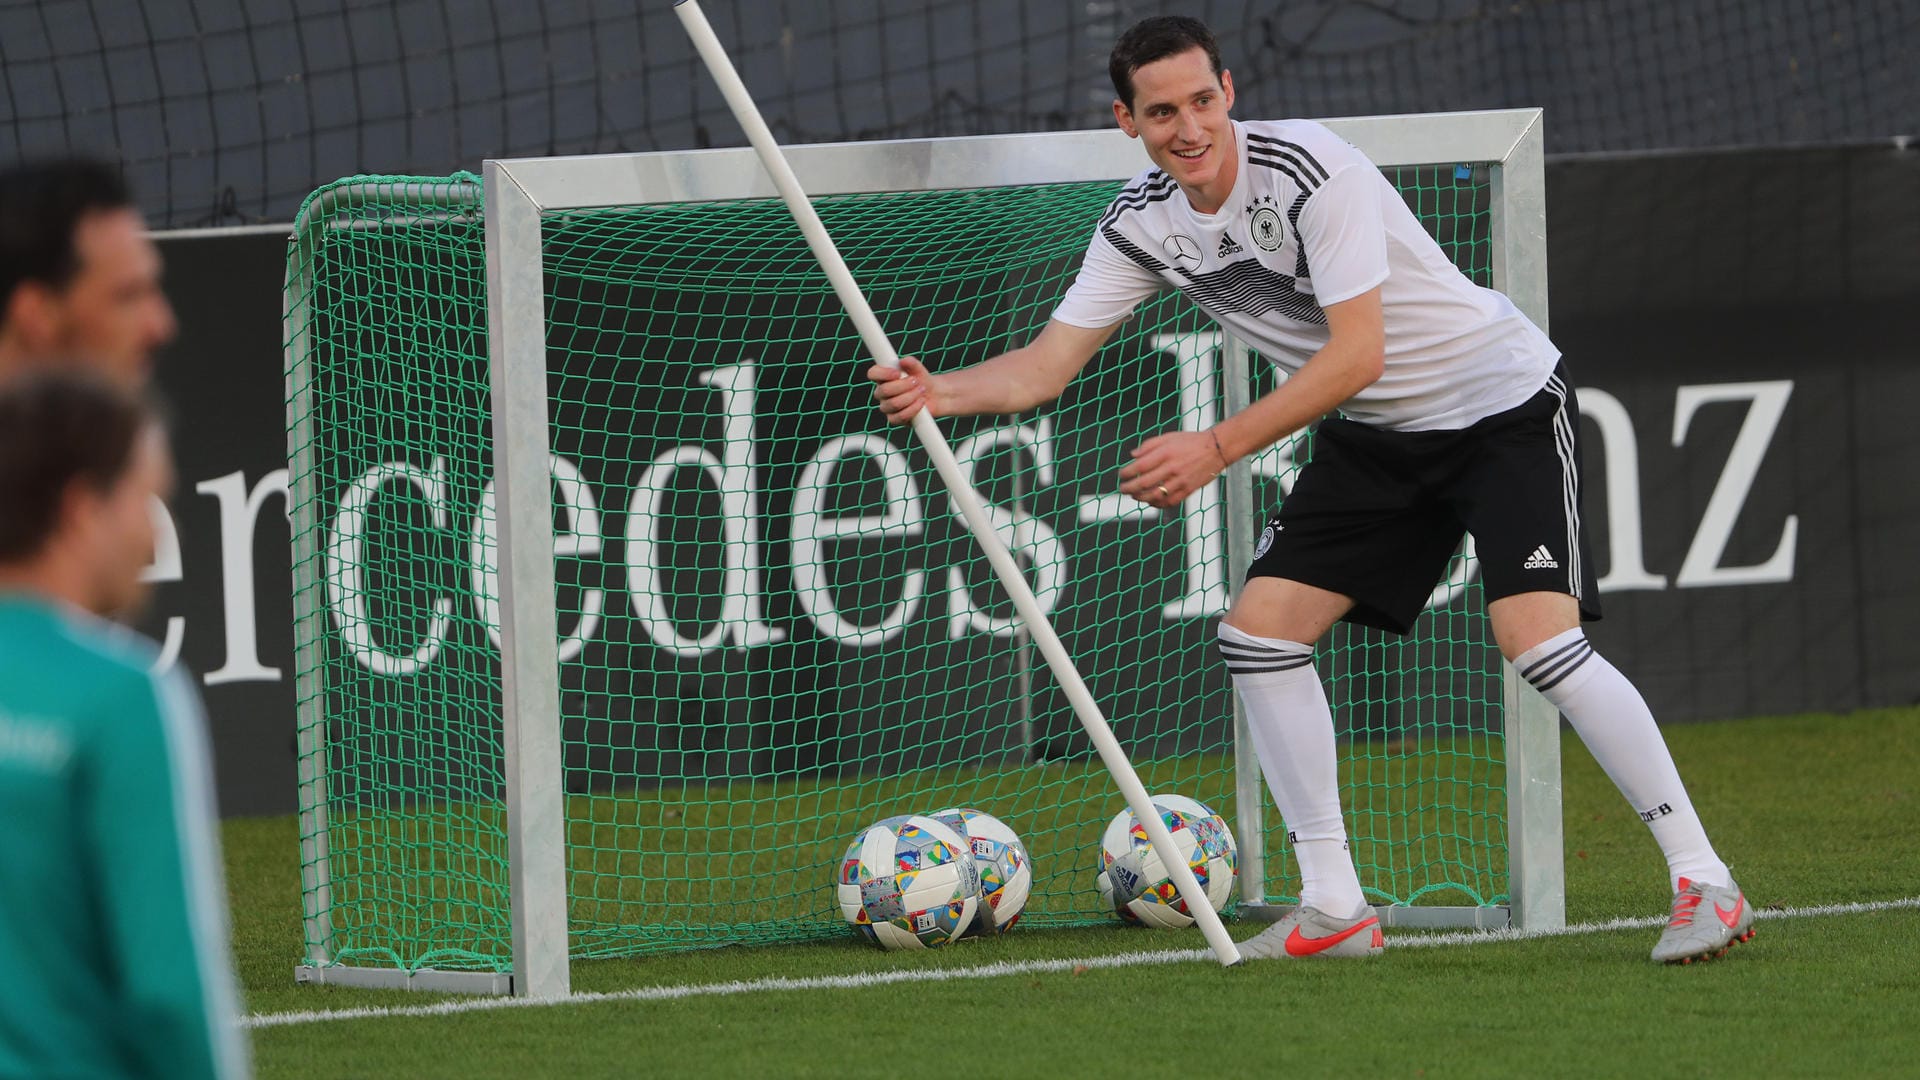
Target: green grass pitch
{"type": "Point", "coordinates": [1810, 810]}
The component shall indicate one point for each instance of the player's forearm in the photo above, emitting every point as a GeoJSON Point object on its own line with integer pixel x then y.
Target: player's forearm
{"type": "Point", "coordinates": [1334, 374]}
{"type": "Point", "coordinates": [1009, 383]}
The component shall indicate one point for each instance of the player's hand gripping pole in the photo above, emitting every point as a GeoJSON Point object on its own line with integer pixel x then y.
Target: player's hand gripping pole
{"type": "Point", "coordinates": [748, 114]}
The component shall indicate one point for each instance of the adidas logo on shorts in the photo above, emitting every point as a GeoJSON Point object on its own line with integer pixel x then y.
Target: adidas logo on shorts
{"type": "Point", "coordinates": [1541, 559]}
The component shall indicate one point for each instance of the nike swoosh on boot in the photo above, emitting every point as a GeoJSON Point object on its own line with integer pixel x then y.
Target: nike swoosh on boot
{"type": "Point", "coordinates": [1299, 944]}
{"type": "Point", "coordinates": [1732, 918]}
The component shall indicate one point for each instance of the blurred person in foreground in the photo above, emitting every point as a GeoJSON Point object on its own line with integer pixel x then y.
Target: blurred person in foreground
{"type": "Point", "coordinates": [79, 276]}
{"type": "Point", "coordinates": [113, 915]}
{"type": "Point", "coordinates": [1440, 410]}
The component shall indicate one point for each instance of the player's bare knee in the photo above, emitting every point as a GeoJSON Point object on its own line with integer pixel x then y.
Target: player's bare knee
{"type": "Point", "coordinates": [1258, 623]}
{"type": "Point", "coordinates": [1524, 620]}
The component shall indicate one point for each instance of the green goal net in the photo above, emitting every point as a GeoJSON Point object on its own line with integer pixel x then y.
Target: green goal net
{"type": "Point", "coordinates": [774, 627]}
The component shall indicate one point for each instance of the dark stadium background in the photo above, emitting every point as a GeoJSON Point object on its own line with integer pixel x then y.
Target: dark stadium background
{"type": "Point", "coordinates": [1732, 198]}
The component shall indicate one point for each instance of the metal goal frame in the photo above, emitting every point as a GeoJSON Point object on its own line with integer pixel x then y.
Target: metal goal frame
{"type": "Point", "coordinates": [519, 191]}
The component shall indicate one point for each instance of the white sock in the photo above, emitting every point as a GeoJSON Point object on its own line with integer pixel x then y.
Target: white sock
{"type": "Point", "coordinates": [1612, 718]}
{"type": "Point", "coordinates": [1293, 735]}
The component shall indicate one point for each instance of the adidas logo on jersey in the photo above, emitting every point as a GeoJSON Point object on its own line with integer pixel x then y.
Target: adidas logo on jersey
{"type": "Point", "coordinates": [1227, 247]}
{"type": "Point", "coordinates": [1541, 559]}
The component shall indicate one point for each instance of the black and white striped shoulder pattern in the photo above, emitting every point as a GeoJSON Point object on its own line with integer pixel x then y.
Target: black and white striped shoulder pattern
{"type": "Point", "coordinates": [1289, 148]}
{"type": "Point", "coordinates": [1155, 186]}
{"type": "Point", "coordinates": [1289, 157]}
{"type": "Point", "coordinates": [1245, 658]}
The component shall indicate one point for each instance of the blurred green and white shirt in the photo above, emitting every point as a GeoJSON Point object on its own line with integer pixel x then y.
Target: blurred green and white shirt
{"type": "Point", "coordinates": [113, 917]}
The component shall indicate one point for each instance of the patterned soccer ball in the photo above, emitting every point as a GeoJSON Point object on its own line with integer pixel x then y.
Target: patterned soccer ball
{"type": "Point", "coordinates": [1006, 871]}
{"type": "Point", "coordinates": [908, 882]}
{"type": "Point", "coordinates": [1134, 882]}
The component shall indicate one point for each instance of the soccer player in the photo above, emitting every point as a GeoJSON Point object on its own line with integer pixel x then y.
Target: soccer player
{"type": "Point", "coordinates": [113, 918]}
{"type": "Point", "coordinates": [1454, 415]}
{"type": "Point", "coordinates": [79, 277]}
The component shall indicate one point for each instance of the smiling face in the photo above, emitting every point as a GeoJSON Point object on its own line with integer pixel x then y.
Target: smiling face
{"type": "Point", "coordinates": [1180, 111]}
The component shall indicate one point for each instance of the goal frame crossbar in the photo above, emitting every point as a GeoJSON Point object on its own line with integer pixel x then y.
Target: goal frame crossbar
{"type": "Point", "coordinates": [518, 191]}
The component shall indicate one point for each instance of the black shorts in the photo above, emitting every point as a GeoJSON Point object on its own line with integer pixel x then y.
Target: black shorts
{"type": "Point", "coordinates": [1376, 515]}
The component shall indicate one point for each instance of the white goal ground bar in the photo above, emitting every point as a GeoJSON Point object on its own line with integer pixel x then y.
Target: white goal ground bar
{"type": "Point", "coordinates": [1003, 969]}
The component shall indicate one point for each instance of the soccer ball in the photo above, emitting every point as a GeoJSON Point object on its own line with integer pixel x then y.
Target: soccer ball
{"type": "Point", "coordinates": [1006, 871]}
{"type": "Point", "coordinates": [908, 882]}
{"type": "Point", "coordinates": [1134, 882]}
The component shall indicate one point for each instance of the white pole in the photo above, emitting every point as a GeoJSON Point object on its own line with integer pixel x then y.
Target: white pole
{"type": "Point", "coordinates": [748, 114]}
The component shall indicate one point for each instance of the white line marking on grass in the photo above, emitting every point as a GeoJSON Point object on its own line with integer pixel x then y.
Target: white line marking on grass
{"type": "Point", "coordinates": [1000, 969]}
{"type": "Point", "coordinates": [1484, 937]}
{"type": "Point", "coordinates": [817, 982]}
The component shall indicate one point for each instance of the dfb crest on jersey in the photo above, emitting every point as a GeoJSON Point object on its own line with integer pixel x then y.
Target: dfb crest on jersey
{"type": "Point", "coordinates": [1266, 541]}
{"type": "Point", "coordinates": [1268, 230]}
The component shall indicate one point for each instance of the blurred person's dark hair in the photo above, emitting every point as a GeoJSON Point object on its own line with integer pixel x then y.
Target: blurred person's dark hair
{"type": "Point", "coordinates": [41, 206]}
{"type": "Point", "coordinates": [57, 429]}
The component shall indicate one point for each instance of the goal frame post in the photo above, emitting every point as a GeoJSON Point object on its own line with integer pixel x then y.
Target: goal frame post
{"type": "Point", "coordinates": [518, 191]}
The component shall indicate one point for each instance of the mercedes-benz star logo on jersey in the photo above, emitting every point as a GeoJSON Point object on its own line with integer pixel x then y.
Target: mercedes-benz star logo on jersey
{"type": "Point", "coordinates": [1184, 250]}
{"type": "Point", "coordinates": [1265, 225]}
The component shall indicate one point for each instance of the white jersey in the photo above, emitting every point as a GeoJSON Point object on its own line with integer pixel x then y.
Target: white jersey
{"type": "Point", "coordinates": [1312, 222]}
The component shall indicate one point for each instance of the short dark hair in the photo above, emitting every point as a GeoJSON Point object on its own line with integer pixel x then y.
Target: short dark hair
{"type": "Point", "coordinates": [1156, 39]}
{"type": "Point", "coordinates": [56, 429]}
{"type": "Point", "coordinates": [40, 207]}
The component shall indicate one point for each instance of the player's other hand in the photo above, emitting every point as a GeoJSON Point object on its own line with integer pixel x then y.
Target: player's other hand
{"type": "Point", "coordinates": [1167, 468]}
{"type": "Point", "coordinates": [900, 394]}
